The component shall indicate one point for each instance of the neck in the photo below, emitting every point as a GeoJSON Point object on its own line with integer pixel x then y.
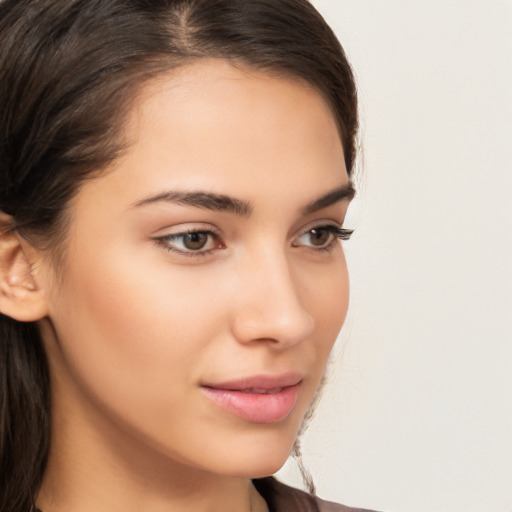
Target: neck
{"type": "Point", "coordinates": [101, 498]}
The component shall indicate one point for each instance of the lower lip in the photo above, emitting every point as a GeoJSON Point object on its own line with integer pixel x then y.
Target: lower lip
{"type": "Point", "coordinates": [256, 407]}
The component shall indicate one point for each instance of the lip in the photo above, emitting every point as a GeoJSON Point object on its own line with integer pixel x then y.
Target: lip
{"type": "Point", "coordinates": [257, 399]}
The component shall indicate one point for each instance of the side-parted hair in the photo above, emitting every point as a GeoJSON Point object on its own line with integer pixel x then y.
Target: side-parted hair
{"type": "Point", "coordinates": [69, 70]}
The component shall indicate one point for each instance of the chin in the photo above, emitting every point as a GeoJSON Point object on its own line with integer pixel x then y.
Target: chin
{"type": "Point", "coordinates": [258, 467]}
{"type": "Point", "coordinates": [260, 453]}
{"type": "Point", "coordinates": [262, 456]}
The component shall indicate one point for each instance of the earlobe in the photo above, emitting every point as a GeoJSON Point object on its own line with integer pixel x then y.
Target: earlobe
{"type": "Point", "coordinates": [21, 298]}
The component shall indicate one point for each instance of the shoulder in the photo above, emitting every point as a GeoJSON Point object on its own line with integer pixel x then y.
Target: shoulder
{"type": "Point", "coordinates": [283, 498]}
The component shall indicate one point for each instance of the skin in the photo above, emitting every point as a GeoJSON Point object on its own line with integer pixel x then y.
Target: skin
{"type": "Point", "coordinates": [132, 329]}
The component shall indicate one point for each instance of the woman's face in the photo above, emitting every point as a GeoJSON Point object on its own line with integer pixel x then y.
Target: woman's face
{"type": "Point", "coordinates": [203, 284]}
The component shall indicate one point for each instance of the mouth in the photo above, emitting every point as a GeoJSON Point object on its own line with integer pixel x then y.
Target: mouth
{"type": "Point", "coordinates": [258, 399]}
{"type": "Point", "coordinates": [272, 391]}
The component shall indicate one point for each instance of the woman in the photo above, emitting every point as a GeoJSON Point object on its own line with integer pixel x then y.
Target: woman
{"type": "Point", "coordinates": [174, 180]}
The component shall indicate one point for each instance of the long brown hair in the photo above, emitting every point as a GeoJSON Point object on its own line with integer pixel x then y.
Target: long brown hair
{"type": "Point", "coordinates": [68, 70]}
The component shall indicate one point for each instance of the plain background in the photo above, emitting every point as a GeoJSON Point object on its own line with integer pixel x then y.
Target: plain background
{"type": "Point", "coordinates": [418, 414]}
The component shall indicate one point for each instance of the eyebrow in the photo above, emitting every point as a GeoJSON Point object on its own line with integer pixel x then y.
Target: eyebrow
{"type": "Point", "coordinates": [345, 192]}
{"type": "Point", "coordinates": [223, 203]}
{"type": "Point", "coordinates": [204, 200]}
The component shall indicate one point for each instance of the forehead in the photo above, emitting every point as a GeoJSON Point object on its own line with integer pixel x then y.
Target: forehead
{"type": "Point", "coordinates": [211, 118]}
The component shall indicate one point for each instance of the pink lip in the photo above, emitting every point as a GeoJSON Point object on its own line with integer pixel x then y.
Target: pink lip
{"type": "Point", "coordinates": [258, 399]}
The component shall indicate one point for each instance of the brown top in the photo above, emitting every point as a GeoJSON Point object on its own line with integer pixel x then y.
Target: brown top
{"type": "Point", "coordinates": [282, 498]}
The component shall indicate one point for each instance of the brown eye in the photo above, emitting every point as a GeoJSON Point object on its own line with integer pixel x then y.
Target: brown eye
{"type": "Point", "coordinates": [191, 243]}
{"type": "Point", "coordinates": [322, 237]}
{"type": "Point", "coordinates": [195, 241]}
{"type": "Point", "coordinates": [319, 237]}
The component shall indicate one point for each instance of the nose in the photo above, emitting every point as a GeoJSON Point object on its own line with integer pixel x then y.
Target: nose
{"type": "Point", "coordinates": [268, 304]}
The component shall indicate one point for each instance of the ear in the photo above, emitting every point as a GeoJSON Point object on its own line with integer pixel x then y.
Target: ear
{"type": "Point", "coordinates": [20, 296]}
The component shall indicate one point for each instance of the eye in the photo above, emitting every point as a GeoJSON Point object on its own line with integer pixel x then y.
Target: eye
{"type": "Point", "coordinates": [190, 242]}
{"type": "Point", "coordinates": [322, 237]}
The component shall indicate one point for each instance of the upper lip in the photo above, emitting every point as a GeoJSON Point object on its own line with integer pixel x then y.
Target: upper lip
{"type": "Point", "coordinates": [260, 382]}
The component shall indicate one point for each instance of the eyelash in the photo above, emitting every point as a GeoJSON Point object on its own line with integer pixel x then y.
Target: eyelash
{"type": "Point", "coordinates": [338, 233]}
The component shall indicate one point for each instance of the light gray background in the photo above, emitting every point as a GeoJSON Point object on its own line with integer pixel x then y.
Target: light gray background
{"type": "Point", "coordinates": [418, 413]}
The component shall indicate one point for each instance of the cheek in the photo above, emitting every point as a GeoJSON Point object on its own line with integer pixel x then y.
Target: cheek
{"type": "Point", "coordinates": [326, 296]}
{"type": "Point", "coordinates": [134, 330]}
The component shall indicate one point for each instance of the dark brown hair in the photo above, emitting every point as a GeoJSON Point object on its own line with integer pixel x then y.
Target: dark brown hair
{"type": "Point", "coordinates": [68, 70]}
